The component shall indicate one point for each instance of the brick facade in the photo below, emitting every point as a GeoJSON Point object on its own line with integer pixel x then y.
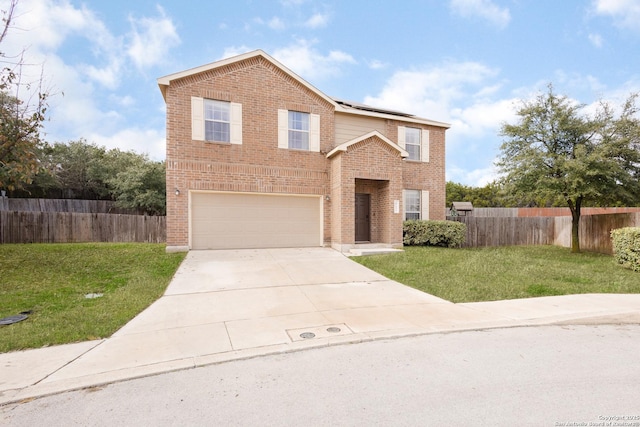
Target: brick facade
{"type": "Point", "coordinates": [262, 86]}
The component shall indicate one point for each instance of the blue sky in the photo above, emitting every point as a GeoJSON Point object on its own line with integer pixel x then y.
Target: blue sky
{"type": "Point", "coordinates": [464, 62]}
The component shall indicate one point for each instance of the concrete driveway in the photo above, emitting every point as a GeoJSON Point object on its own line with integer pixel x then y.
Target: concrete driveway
{"type": "Point", "coordinates": [225, 305]}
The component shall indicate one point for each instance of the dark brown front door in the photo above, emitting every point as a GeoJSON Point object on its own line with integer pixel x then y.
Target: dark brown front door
{"type": "Point", "coordinates": [363, 228]}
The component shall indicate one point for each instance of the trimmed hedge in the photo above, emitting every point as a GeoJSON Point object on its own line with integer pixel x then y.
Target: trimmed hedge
{"type": "Point", "coordinates": [626, 247]}
{"type": "Point", "coordinates": [434, 233]}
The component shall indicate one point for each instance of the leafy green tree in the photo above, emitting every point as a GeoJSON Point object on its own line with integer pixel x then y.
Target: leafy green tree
{"type": "Point", "coordinates": [78, 169]}
{"type": "Point", "coordinates": [142, 186]}
{"type": "Point", "coordinates": [489, 196]}
{"type": "Point", "coordinates": [22, 110]}
{"type": "Point", "coordinates": [556, 150]}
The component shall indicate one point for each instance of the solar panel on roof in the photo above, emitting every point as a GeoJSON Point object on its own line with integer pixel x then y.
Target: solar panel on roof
{"type": "Point", "coordinates": [363, 107]}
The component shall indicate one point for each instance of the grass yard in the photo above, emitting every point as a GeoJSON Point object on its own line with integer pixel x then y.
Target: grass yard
{"type": "Point", "coordinates": [51, 281]}
{"type": "Point", "coordinates": [489, 274]}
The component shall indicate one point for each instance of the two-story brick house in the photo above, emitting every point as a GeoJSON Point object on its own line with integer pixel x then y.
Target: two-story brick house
{"type": "Point", "coordinates": [257, 157]}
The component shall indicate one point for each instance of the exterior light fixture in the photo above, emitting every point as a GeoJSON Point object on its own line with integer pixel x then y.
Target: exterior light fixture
{"type": "Point", "coordinates": [177, 192]}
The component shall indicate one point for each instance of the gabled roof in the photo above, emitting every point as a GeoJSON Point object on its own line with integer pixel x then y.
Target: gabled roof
{"type": "Point", "coordinates": [345, 145]}
{"type": "Point", "coordinates": [165, 82]}
{"type": "Point", "coordinates": [462, 206]}
{"type": "Point", "coordinates": [341, 106]}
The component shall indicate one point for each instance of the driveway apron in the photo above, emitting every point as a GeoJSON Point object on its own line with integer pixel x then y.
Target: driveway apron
{"type": "Point", "coordinates": [232, 304]}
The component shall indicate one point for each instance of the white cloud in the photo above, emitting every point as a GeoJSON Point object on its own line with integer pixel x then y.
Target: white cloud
{"type": "Point", "coordinates": [43, 26]}
{"type": "Point", "coordinates": [309, 63]}
{"type": "Point", "coordinates": [276, 23]}
{"type": "Point", "coordinates": [625, 13]}
{"type": "Point", "coordinates": [147, 141]}
{"type": "Point", "coordinates": [83, 104]}
{"type": "Point", "coordinates": [484, 9]}
{"type": "Point", "coordinates": [108, 76]}
{"type": "Point", "coordinates": [596, 40]}
{"type": "Point", "coordinates": [292, 2]}
{"type": "Point", "coordinates": [483, 118]}
{"type": "Point", "coordinates": [376, 64]}
{"type": "Point", "coordinates": [235, 51]}
{"type": "Point", "coordinates": [465, 94]}
{"type": "Point", "coordinates": [475, 177]}
{"type": "Point", "coordinates": [151, 39]}
{"type": "Point", "coordinates": [318, 20]}
{"type": "Point", "coordinates": [430, 91]}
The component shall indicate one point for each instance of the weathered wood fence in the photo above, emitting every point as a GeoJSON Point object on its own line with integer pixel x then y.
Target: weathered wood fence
{"type": "Point", "coordinates": [595, 230]}
{"type": "Point", "coordinates": [62, 205]}
{"type": "Point", "coordinates": [508, 231]}
{"type": "Point", "coordinates": [549, 212]}
{"type": "Point", "coordinates": [72, 227]}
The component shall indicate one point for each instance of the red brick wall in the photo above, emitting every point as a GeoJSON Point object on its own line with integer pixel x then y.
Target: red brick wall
{"type": "Point", "coordinates": [370, 166]}
{"type": "Point", "coordinates": [428, 176]}
{"type": "Point", "coordinates": [259, 166]}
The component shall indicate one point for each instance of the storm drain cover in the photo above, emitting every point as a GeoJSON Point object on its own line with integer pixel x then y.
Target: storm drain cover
{"type": "Point", "coordinates": [13, 319]}
{"type": "Point", "coordinates": [333, 329]}
{"type": "Point", "coordinates": [307, 335]}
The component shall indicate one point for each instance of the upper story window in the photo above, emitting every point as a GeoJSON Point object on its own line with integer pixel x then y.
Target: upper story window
{"type": "Point", "coordinates": [298, 130]}
{"type": "Point", "coordinates": [415, 141]}
{"type": "Point", "coordinates": [412, 143]}
{"type": "Point", "coordinates": [217, 120]}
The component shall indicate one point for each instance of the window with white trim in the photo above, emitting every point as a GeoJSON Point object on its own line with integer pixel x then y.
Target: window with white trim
{"type": "Point", "coordinates": [298, 130]}
{"type": "Point", "coordinates": [415, 141]}
{"type": "Point", "coordinates": [416, 204]}
{"type": "Point", "coordinates": [217, 120]}
{"type": "Point", "coordinates": [412, 204]}
{"type": "Point", "coordinates": [412, 143]}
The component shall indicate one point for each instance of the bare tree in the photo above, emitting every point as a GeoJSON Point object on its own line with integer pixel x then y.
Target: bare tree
{"type": "Point", "coordinates": [23, 105]}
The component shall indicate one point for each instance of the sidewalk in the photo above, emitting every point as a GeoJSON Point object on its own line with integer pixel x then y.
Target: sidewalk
{"type": "Point", "coordinates": [229, 305]}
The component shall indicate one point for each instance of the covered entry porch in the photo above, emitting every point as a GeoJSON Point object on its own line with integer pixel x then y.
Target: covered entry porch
{"type": "Point", "coordinates": [366, 193]}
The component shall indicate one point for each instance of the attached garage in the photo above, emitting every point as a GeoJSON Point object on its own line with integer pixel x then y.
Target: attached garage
{"type": "Point", "coordinates": [249, 220]}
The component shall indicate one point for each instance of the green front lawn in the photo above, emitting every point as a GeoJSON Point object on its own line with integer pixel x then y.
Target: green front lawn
{"type": "Point", "coordinates": [489, 274]}
{"type": "Point", "coordinates": [52, 280]}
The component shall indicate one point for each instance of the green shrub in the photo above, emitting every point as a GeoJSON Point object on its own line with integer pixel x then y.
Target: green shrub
{"type": "Point", "coordinates": [434, 233]}
{"type": "Point", "coordinates": [626, 246]}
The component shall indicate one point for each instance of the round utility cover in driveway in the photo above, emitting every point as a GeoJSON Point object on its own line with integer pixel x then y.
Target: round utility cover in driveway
{"type": "Point", "coordinates": [249, 220]}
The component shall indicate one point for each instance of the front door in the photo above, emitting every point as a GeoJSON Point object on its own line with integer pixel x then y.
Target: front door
{"type": "Point", "coordinates": [363, 228]}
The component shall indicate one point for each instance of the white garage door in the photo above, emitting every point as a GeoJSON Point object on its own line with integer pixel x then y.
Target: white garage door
{"type": "Point", "coordinates": [240, 220]}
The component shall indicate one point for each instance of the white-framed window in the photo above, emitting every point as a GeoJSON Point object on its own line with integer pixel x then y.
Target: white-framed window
{"type": "Point", "coordinates": [415, 141]}
{"type": "Point", "coordinates": [412, 143]}
{"type": "Point", "coordinates": [216, 121]}
{"type": "Point", "coordinates": [298, 130]}
{"type": "Point", "coordinates": [416, 204]}
{"type": "Point", "coordinates": [412, 204]}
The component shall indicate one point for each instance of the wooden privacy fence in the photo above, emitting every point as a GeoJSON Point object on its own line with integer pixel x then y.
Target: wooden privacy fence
{"type": "Point", "coordinates": [508, 231]}
{"type": "Point", "coordinates": [62, 205]}
{"type": "Point", "coordinates": [71, 227]}
{"type": "Point", "coordinates": [595, 230]}
{"type": "Point", "coordinates": [550, 212]}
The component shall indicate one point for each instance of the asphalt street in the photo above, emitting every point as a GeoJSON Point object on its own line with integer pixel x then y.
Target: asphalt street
{"type": "Point", "coordinates": [532, 376]}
